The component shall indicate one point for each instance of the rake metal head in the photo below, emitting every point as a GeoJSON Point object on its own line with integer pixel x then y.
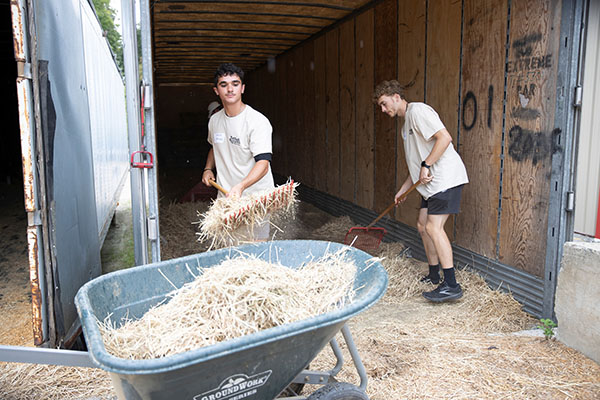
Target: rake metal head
{"type": "Point", "coordinates": [364, 238]}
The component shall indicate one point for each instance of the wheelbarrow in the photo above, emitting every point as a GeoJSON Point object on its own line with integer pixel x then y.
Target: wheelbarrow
{"type": "Point", "coordinates": [259, 366]}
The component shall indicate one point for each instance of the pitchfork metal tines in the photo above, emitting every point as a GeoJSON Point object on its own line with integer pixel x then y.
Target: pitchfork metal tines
{"type": "Point", "coordinates": [231, 220]}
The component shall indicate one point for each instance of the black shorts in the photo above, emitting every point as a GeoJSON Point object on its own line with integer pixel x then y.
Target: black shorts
{"type": "Point", "coordinates": [446, 202]}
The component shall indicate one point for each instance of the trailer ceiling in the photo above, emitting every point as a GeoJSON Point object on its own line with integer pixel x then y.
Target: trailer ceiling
{"type": "Point", "coordinates": [192, 37]}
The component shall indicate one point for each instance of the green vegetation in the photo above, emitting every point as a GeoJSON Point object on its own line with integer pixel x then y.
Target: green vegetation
{"type": "Point", "coordinates": [548, 327]}
{"type": "Point", "coordinates": [106, 15]}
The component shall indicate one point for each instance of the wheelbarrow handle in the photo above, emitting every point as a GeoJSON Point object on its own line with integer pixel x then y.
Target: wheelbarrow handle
{"type": "Point", "coordinates": [387, 210]}
{"type": "Point", "coordinates": [217, 186]}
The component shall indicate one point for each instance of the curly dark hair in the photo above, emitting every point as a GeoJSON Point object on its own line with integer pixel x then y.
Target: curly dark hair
{"type": "Point", "coordinates": [388, 88]}
{"type": "Point", "coordinates": [228, 69]}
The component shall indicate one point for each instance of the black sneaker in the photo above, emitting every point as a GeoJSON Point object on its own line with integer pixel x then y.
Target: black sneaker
{"type": "Point", "coordinates": [444, 293]}
{"type": "Point", "coordinates": [430, 279]}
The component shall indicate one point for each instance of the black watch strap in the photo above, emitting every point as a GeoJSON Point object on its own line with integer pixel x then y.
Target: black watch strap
{"type": "Point", "coordinates": [424, 164]}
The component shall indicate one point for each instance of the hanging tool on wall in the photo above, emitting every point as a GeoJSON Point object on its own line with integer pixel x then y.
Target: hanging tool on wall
{"type": "Point", "coordinates": [147, 159]}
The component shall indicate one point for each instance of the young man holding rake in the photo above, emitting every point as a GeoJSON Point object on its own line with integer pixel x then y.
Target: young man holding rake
{"type": "Point", "coordinates": [241, 143]}
{"type": "Point", "coordinates": [431, 160]}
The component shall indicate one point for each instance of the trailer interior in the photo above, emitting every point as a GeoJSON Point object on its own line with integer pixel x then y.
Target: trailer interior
{"type": "Point", "coordinates": [190, 39]}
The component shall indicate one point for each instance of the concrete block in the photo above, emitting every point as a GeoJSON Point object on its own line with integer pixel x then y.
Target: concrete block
{"type": "Point", "coordinates": [577, 300]}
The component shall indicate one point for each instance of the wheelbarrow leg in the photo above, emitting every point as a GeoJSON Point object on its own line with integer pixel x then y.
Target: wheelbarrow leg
{"type": "Point", "coordinates": [360, 368]}
{"type": "Point", "coordinates": [335, 347]}
{"type": "Point", "coordinates": [322, 377]}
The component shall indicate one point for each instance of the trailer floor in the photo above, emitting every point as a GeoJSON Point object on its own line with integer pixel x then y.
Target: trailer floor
{"type": "Point", "coordinates": [410, 347]}
{"type": "Point", "coordinates": [15, 291]}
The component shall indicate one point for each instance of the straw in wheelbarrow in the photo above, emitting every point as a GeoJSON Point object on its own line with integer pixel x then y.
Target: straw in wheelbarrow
{"type": "Point", "coordinates": [227, 214]}
{"type": "Point", "coordinates": [239, 296]}
{"type": "Point", "coordinates": [369, 238]}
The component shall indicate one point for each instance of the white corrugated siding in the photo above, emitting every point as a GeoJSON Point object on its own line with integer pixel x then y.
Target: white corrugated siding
{"type": "Point", "coordinates": [588, 160]}
{"type": "Point", "coordinates": [108, 119]}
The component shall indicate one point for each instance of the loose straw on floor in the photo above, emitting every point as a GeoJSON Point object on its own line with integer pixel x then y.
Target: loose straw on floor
{"type": "Point", "coordinates": [411, 349]}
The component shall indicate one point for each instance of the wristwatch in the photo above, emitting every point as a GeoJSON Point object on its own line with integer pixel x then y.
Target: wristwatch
{"type": "Point", "coordinates": [424, 164]}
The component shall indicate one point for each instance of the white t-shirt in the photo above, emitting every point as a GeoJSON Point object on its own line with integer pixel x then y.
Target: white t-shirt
{"type": "Point", "coordinates": [421, 122]}
{"type": "Point", "coordinates": [236, 141]}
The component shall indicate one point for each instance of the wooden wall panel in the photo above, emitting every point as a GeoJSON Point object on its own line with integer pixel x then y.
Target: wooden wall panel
{"type": "Point", "coordinates": [282, 115]}
{"type": "Point", "coordinates": [365, 110]}
{"type": "Point", "coordinates": [530, 105]}
{"type": "Point", "coordinates": [295, 110]}
{"type": "Point", "coordinates": [481, 122]}
{"type": "Point", "coordinates": [279, 155]}
{"type": "Point", "coordinates": [320, 156]}
{"type": "Point", "coordinates": [271, 104]}
{"type": "Point", "coordinates": [321, 106]}
{"type": "Point", "coordinates": [347, 112]}
{"type": "Point", "coordinates": [443, 68]}
{"type": "Point", "coordinates": [443, 61]}
{"type": "Point", "coordinates": [333, 112]}
{"type": "Point", "coordinates": [411, 74]}
{"type": "Point", "coordinates": [308, 115]}
{"type": "Point", "coordinates": [385, 127]}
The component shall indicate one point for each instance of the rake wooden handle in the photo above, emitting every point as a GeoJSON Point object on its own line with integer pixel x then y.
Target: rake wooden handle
{"type": "Point", "coordinates": [387, 210]}
{"type": "Point", "coordinates": [217, 186]}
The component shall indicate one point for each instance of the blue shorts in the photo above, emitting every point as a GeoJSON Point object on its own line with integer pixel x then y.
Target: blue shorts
{"type": "Point", "coordinates": [446, 202]}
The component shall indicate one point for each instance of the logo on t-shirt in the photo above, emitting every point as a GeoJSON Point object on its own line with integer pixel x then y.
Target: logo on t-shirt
{"type": "Point", "coordinates": [234, 140]}
{"type": "Point", "coordinates": [410, 131]}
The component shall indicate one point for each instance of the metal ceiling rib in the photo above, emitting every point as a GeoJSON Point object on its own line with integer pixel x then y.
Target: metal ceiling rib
{"type": "Point", "coordinates": [192, 37]}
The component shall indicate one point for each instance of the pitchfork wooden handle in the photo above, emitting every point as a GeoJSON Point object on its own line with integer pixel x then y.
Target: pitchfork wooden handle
{"type": "Point", "coordinates": [217, 186]}
{"type": "Point", "coordinates": [387, 210]}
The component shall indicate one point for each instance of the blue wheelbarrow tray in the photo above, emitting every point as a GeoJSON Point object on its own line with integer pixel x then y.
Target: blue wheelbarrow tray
{"type": "Point", "coordinates": [257, 366]}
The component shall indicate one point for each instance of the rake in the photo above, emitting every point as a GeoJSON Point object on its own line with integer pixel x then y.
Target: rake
{"type": "Point", "coordinates": [220, 223]}
{"type": "Point", "coordinates": [267, 202]}
{"type": "Point", "coordinates": [369, 238]}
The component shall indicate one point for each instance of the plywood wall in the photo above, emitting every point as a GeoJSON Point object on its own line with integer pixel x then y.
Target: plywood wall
{"type": "Point", "coordinates": [481, 122]}
{"type": "Point", "coordinates": [386, 67]}
{"type": "Point", "coordinates": [487, 66]}
{"type": "Point", "coordinates": [412, 34]}
{"type": "Point", "coordinates": [529, 122]}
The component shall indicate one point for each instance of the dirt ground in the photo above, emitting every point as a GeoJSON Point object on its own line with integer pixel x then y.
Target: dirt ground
{"type": "Point", "coordinates": [15, 293]}
{"type": "Point", "coordinates": [480, 347]}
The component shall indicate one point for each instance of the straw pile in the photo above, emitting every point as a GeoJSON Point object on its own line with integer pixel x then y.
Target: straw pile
{"type": "Point", "coordinates": [411, 348]}
{"type": "Point", "coordinates": [483, 309]}
{"type": "Point", "coordinates": [468, 349]}
{"type": "Point", "coordinates": [178, 230]}
{"type": "Point", "coordinates": [51, 382]}
{"type": "Point", "coordinates": [220, 225]}
{"type": "Point", "coordinates": [240, 296]}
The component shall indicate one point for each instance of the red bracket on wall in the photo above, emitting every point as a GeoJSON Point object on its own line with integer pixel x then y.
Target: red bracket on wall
{"type": "Point", "coordinates": [142, 164]}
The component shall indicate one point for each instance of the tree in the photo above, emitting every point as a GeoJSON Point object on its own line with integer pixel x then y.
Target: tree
{"type": "Point", "coordinates": [106, 15]}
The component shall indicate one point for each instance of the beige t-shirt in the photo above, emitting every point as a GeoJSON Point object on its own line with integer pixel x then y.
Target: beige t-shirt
{"type": "Point", "coordinates": [236, 141]}
{"type": "Point", "coordinates": [421, 122]}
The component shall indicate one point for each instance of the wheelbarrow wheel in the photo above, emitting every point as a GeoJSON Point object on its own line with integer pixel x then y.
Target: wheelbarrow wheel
{"type": "Point", "coordinates": [338, 391]}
